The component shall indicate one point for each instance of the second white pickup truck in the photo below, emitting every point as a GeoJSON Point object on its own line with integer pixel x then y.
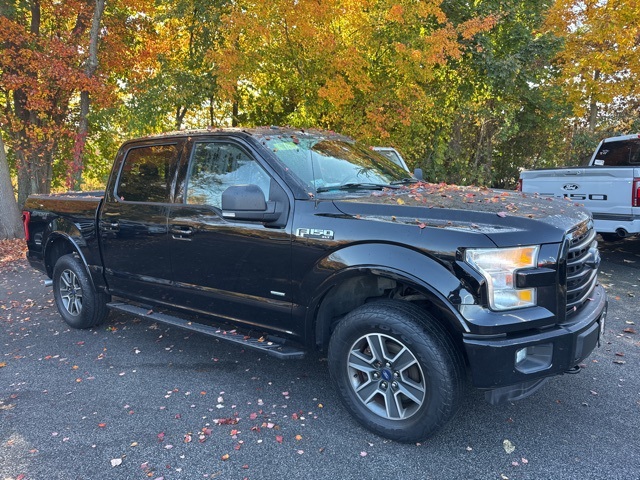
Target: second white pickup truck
{"type": "Point", "coordinates": [609, 185]}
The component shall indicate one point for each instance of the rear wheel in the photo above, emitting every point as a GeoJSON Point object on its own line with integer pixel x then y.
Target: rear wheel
{"type": "Point", "coordinates": [77, 301]}
{"type": "Point", "coordinates": [610, 237]}
{"type": "Point", "coordinates": [396, 369]}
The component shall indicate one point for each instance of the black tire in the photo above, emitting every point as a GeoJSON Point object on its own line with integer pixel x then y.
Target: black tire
{"type": "Point", "coordinates": [610, 237]}
{"type": "Point", "coordinates": [77, 301]}
{"type": "Point", "coordinates": [418, 384]}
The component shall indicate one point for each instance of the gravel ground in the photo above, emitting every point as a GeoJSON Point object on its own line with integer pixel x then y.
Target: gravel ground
{"type": "Point", "coordinates": [135, 400]}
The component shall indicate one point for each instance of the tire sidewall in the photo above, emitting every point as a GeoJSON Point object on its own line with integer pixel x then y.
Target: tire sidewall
{"type": "Point", "coordinates": [87, 316]}
{"type": "Point", "coordinates": [440, 394]}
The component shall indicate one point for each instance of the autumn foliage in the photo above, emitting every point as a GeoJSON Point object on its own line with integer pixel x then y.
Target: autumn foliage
{"type": "Point", "coordinates": [470, 92]}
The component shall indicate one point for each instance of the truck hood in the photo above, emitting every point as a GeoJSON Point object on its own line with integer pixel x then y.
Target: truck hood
{"type": "Point", "coordinates": [501, 215]}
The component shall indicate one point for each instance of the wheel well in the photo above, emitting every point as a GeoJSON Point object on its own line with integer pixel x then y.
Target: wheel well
{"type": "Point", "coordinates": [356, 291]}
{"type": "Point", "coordinates": [54, 251]}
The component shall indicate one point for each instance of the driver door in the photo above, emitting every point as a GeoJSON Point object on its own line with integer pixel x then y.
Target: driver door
{"type": "Point", "coordinates": [236, 270]}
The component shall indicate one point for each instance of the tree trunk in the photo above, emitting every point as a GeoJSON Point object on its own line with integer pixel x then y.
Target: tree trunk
{"type": "Point", "coordinates": [10, 224]}
{"type": "Point", "coordinates": [180, 113]}
{"type": "Point", "coordinates": [85, 100]}
{"type": "Point", "coordinates": [593, 106]}
{"type": "Point", "coordinates": [234, 114]}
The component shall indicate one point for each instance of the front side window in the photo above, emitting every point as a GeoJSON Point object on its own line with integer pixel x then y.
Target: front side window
{"type": "Point", "coordinates": [147, 174]}
{"type": "Point", "coordinates": [216, 166]}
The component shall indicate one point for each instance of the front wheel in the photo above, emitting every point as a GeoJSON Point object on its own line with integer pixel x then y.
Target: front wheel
{"type": "Point", "coordinates": [396, 369]}
{"type": "Point", "coordinates": [77, 301]}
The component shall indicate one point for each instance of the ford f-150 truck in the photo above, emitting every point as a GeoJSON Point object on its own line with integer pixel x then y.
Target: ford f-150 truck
{"type": "Point", "coordinates": [288, 241]}
{"type": "Point", "coordinates": [608, 186]}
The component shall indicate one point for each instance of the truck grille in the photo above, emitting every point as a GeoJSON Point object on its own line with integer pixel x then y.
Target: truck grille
{"type": "Point", "coordinates": [583, 261]}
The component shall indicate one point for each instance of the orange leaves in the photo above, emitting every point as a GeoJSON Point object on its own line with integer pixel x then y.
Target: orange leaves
{"type": "Point", "coordinates": [396, 14]}
{"type": "Point", "coordinates": [358, 66]}
{"type": "Point", "coordinates": [336, 91]}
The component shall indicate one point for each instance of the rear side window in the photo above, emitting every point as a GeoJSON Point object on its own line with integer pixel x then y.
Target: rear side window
{"type": "Point", "coordinates": [619, 154]}
{"type": "Point", "coordinates": [147, 174]}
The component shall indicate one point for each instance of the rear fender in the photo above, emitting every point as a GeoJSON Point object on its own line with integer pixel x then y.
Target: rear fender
{"type": "Point", "coordinates": [65, 237]}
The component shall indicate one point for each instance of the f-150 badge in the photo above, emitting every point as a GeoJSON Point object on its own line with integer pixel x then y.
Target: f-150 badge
{"type": "Point", "coordinates": [315, 233]}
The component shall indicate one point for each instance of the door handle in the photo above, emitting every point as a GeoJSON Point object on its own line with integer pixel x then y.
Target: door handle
{"type": "Point", "coordinates": [181, 232]}
{"type": "Point", "coordinates": [110, 226]}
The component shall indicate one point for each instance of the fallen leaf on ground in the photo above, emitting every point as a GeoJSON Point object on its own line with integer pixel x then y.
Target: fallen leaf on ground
{"type": "Point", "coordinates": [508, 446]}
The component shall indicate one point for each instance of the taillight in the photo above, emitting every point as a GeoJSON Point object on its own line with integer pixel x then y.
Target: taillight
{"type": "Point", "coordinates": [519, 185]}
{"type": "Point", "coordinates": [26, 217]}
{"type": "Point", "coordinates": [635, 193]}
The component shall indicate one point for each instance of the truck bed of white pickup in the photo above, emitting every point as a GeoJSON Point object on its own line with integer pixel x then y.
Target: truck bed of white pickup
{"type": "Point", "coordinates": [609, 186]}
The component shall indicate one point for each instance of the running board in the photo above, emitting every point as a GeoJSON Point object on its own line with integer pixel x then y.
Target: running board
{"type": "Point", "coordinates": [278, 350]}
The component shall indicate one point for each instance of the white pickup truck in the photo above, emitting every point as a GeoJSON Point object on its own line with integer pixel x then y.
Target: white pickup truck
{"type": "Point", "coordinates": [609, 185]}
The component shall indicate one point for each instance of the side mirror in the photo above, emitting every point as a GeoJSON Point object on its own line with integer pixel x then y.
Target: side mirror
{"type": "Point", "coordinates": [247, 202]}
{"type": "Point", "coordinates": [418, 174]}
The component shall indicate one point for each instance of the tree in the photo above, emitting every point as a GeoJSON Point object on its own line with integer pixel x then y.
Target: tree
{"type": "Point", "coordinates": [600, 62]}
{"type": "Point", "coordinates": [499, 110]}
{"type": "Point", "coordinates": [48, 62]}
{"type": "Point", "coordinates": [364, 68]}
{"type": "Point", "coordinates": [10, 225]}
{"type": "Point", "coordinates": [89, 71]}
{"type": "Point", "coordinates": [38, 77]}
{"type": "Point", "coordinates": [182, 81]}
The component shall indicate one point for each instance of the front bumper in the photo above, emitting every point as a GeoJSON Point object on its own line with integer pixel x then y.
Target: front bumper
{"type": "Point", "coordinates": [493, 360]}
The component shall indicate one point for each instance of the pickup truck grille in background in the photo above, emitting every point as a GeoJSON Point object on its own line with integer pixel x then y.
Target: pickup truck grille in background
{"type": "Point", "coordinates": [583, 261]}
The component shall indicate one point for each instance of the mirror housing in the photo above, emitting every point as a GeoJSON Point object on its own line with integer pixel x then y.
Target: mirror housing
{"type": "Point", "coordinates": [247, 202]}
{"type": "Point", "coordinates": [418, 174]}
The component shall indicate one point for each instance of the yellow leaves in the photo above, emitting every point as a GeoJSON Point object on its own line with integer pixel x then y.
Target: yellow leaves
{"type": "Point", "coordinates": [599, 61]}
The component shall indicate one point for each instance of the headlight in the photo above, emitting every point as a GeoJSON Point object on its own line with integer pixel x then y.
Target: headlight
{"type": "Point", "coordinates": [499, 266]}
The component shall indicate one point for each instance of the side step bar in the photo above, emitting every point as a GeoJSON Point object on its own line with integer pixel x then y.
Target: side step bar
{"type": "Point", "coordinates": [278, 350]}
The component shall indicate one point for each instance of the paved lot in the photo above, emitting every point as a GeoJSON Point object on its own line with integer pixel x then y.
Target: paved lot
{"type": "Point", "coordinates": [134, 400]}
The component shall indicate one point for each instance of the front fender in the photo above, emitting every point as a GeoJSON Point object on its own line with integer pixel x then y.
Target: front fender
{"type": "Point", "coordinates": [412, 267]}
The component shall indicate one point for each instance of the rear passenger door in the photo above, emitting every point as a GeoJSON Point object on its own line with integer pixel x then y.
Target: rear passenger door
{"type": "Point", "coordinates": [237, 270]}
{"type": "Point", "coordinates": [133, 220]}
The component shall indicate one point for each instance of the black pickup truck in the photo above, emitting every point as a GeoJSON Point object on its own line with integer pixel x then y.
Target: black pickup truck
{"type": "Point", "coordinates": [288, 241]}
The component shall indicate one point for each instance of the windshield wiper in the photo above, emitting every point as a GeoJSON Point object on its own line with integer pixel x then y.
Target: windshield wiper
{"type": "Point", "coordinates": [405, 181]}
{"type": "Point", "coordinates": [355, 186]}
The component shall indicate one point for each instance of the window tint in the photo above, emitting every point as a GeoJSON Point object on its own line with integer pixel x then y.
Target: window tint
{"type": "Point", "coordinates": [147, 174]}
{"type": "Point", "coordinates": [215, 166]}
{"type": "Point", "coordinates": [621, 153]}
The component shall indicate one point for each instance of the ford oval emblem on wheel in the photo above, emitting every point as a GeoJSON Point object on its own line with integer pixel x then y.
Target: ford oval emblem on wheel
{"type": "Point", "coordinates": [570, 186]}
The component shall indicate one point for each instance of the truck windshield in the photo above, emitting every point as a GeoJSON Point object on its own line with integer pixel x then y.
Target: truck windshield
{"type": "Point", "coordinates": [619, 153]}
{"type": "Point", "coordinates": [327, 163]}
